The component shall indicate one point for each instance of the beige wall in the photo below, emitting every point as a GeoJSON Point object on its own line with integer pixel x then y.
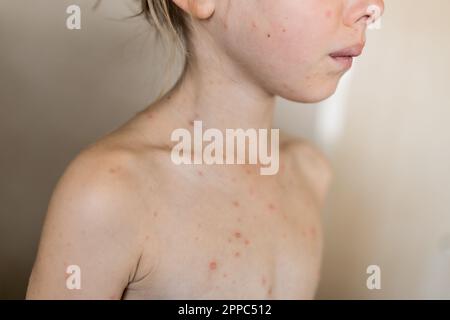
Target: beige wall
{"type": "Point", "coordinates": [60, 90]}
{"type": "Point", "coordinates": [390, 203]}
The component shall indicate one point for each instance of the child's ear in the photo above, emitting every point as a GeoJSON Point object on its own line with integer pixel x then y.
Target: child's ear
{"type": "Point", "coordinates": [200, 9]}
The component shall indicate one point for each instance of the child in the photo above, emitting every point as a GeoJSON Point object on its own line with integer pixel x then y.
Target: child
{"type": "Point", "coordinates": [132, 224]}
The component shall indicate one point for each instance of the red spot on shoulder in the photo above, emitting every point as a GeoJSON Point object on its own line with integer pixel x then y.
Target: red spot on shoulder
{"type": "Point", "coordinates": [212, 265]}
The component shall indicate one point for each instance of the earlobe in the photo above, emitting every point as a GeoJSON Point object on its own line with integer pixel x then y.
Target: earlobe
{"type": "Point", "coordinates": [200, 9]}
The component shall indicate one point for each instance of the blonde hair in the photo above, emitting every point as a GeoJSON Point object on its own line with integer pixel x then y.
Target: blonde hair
{"type": "Point", "coordinates": [169, 20]}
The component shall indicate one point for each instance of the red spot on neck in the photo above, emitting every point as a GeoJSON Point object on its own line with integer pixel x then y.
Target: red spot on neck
{"type": "Point", "coordinates": [212, 265]}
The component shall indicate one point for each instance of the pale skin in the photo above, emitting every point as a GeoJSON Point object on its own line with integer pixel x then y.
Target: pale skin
{"type": "Point", "coordinates": [141, 227]}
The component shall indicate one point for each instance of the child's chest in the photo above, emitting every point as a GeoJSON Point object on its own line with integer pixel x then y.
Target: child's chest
{"type": "Point", "coordinates": [243, 245]}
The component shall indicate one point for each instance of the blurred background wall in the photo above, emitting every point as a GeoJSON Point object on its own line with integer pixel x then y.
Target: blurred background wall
{"type": "Point", "coordinates": [386, 132]}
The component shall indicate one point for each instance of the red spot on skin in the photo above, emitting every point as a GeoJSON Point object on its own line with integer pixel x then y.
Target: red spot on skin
{"type": "Point", "coordinates": [225, 275]}
{"type": "Point", "coordinates": [271, 207]}
{"type": "Point", "coordinates": [155, 214]}
{"type": "Point", "coordinates": [147, 237]}
{"type": "Point", "coordinates": [328, 14]}
{"type": "Point", "coordinates": [268, 35]}
{"type": "Point", "coordinates": [150, 116]}
{"type": "Point", "coordinates": [200, 173]}
{"type": "Point", "coordinates": [237, 234]}
{"type": "Point", "coordinates": [212, 265]}
{"type": "Point", "coordinates": [284, 30]}
{"type": "Point", "coordinates": [247, 242]}
{"type": "Point", "coordinates": [112, 170]}
{"type": "Point", "coordinates": [269, 292]}
{"type": "Point", "coordinates": [254, 25]}
{"type": "Point", "coordinates": [263, 281]}
{"type": "Point", "coordinates": [236, 204]}
{"type": "Point", "coordinates": [313, 232]}
{"type": "Point", "coordinates": [237, 254]}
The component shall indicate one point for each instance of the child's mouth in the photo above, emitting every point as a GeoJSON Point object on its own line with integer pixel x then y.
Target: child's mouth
{"type": "Point", "coordinates": [345, 57]}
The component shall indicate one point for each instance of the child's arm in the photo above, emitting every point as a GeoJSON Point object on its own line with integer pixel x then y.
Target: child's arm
{"type": "Point", "coordinates": [90, 224]}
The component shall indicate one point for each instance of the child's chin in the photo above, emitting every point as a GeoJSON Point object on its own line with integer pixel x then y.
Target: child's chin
{"type": "Point", "coordinates": [312, 95]}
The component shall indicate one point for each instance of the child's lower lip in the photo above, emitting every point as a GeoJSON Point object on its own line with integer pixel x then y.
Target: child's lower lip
{"type": "Point", "coordinates": [345, 62]}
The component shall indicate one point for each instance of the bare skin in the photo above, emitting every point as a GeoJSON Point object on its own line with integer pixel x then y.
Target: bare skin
{"type": "Point", "coordinates": [141, 227]}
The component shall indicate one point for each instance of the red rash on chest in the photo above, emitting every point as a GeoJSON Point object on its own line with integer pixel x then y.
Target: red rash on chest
{"type": "Point", "coordinates": [212, 265]}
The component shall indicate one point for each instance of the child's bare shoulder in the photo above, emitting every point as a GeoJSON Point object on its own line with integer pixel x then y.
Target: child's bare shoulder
{"type": "Point", "coordinates": [310, 161]}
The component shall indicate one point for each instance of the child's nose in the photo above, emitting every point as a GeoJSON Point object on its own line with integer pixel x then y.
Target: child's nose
{"type": "Point", "coordinates": [363, 11]}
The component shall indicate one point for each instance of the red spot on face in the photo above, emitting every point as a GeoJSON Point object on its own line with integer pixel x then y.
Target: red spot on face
{"type": "Point", "coordinates": [212, 265]}
{"type": "Point", "coordinates": [237, 234]}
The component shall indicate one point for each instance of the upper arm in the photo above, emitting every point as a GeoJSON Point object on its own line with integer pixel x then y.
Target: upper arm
{"type": "Point", "coordinates": [90, 224]}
